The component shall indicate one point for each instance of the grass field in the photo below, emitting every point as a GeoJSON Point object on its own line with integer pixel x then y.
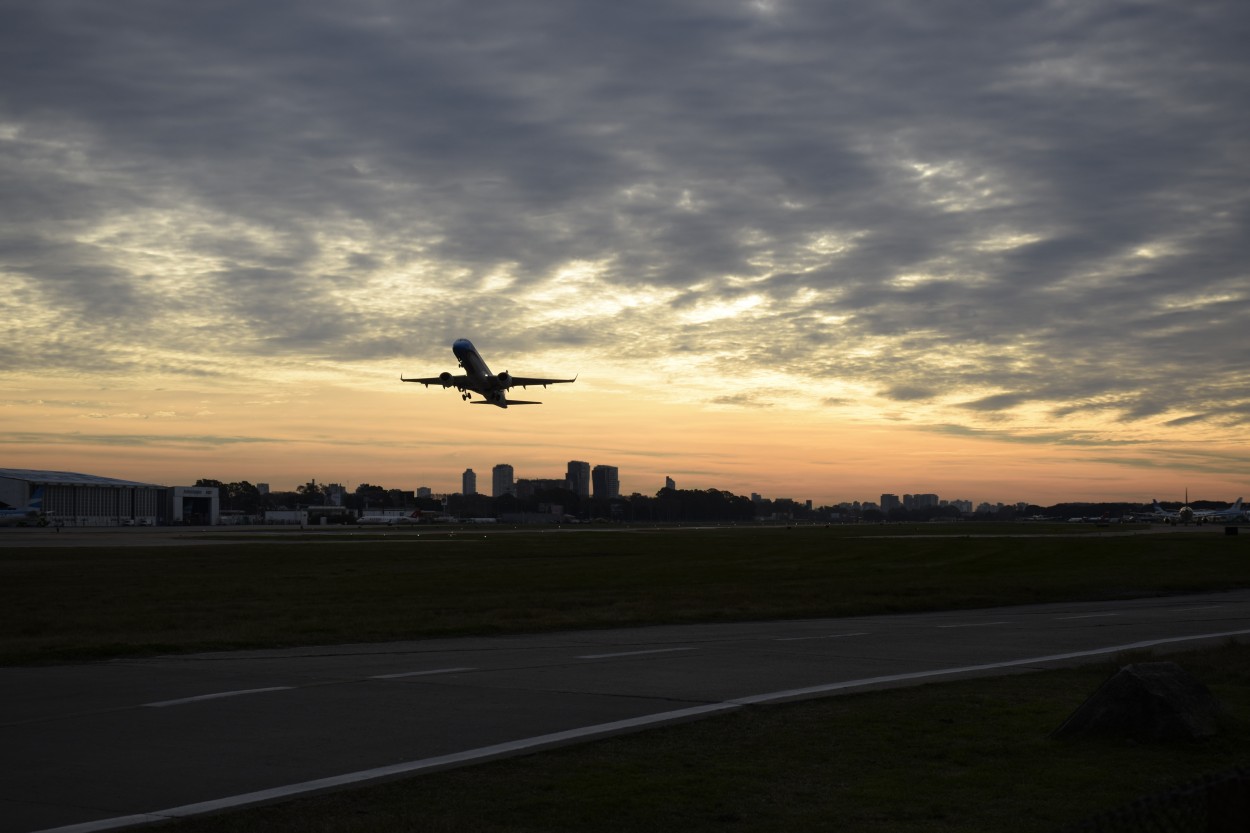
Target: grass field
{"type": "Point", "coordinates": [970, 755]}
{"type": "Point", "coordinates": [73, 604]}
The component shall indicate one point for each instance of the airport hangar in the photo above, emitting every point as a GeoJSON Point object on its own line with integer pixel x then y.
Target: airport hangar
{"type": "Point", "coordinates": [75, 499]}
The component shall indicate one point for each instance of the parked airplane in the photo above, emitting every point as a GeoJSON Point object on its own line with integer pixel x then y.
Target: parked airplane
{"type": "Point", "coordinates": [379, 520]}
{"type": "Point", "coordinates": [1184, 515]}
{"type": "Point", "coordinates": [1233, 513]}
{"type": "Point", "coordinates": [417, 516]}
{"type": "Point", "coordinates": [478, 379]}
{"type": "Point", "coordinates": [1102, 519]}
{"type": "Point", "coordinates": [31, 513]}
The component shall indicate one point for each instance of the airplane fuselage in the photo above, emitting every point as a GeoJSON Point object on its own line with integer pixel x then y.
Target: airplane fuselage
{"type": "Point", "coordinates": [10, 517]}
{"type": "Point", "coordinates": [474, 366]}
{"type": "Point", "coordinates": [480, 379]}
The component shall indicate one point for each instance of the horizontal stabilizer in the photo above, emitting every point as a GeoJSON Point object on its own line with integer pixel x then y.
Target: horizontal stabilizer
{"type": "Point", "coordinates": [510, 402]}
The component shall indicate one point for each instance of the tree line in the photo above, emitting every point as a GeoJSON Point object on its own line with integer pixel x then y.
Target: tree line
{"type": "Point", "coordinates": [666, 505]}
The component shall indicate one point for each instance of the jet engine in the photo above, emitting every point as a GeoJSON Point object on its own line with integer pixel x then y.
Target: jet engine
{"type": "Point", "coordinates": [445, 377]}
{"type": "Point", "coordinates": [504, 380]}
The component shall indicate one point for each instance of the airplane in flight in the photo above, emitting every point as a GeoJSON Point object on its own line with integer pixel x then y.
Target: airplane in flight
{"type": "Point", "coordinates": [32, 511]}
{"type": "Point", "coordinates": [478, 379]}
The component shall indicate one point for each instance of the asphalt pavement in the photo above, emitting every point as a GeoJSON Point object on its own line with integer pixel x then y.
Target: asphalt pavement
{"type": "Point", "coordinates": [112, 744]}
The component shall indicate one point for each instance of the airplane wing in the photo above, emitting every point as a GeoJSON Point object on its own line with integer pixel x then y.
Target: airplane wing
{"type": "Point", "coordinates": [449, 381]}
{"type": "Point", "coordinates": [526, 381]}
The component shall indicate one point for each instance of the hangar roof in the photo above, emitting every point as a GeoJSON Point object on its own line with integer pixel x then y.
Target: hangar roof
{"type": "Point", "coordinates": [68, 478]}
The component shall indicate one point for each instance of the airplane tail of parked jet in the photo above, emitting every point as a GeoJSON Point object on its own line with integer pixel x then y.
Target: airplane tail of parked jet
{"type": "Point", "coordinates": [32, 510]}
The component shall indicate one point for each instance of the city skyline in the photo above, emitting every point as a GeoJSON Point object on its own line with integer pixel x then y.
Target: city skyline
{"type": "Point", "coordinates": [799, 249]}
{"type": "Point", "coordinates": [884, 501]}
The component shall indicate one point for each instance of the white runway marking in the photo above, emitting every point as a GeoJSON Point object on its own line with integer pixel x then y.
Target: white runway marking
{"type": "Point", "coordinates": [420, 673]}
{"type": "Point", "coordinates": [1087, 616]}
{"type": "Point", "coordinates": [830, 636]}
{"type": "Point", "coordinates": [973, 625]}
{"type": "Point", "coordinates": [589, 732]}
{"type": "Point", "coordinates": [635, 653]}
{"type": "Point", "coordinates": [1204, 607]}
{"type": "Point", "coordinates": [219, 695]}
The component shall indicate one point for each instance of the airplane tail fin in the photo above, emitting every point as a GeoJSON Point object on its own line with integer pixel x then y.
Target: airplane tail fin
{"type": "Point", "coordinates": [36, 501]}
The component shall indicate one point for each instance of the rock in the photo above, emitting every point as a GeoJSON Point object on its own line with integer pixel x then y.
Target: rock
{"type": "Point", "coordinates": [1147, 701]}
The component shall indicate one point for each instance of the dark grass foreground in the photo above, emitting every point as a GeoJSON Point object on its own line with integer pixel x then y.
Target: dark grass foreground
{"type": "Point", "coordinates": [74, 604]}
{"type": "Point", "coordinates": [972, 755]}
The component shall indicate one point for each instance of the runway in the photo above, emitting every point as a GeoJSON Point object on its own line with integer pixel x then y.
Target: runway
{"type": "Point", "coordinates": [112, 744]}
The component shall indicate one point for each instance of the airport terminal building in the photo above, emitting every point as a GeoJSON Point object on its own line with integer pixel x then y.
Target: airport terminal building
{"type": "Point", "coordinates": [75, 499]}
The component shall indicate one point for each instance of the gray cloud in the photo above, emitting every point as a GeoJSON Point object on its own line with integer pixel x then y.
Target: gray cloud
{"type": "Point", "coordinates": [1036, 204]}
{"type": "Point", "coordinates": [908, 393]}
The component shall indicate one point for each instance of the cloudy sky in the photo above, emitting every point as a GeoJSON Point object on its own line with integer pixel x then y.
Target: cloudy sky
{"type": "Point", "coordinates": [820, 250]}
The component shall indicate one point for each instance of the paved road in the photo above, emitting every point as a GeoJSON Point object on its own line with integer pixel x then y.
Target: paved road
{"type": "Point", "coordinates": [127, 741]}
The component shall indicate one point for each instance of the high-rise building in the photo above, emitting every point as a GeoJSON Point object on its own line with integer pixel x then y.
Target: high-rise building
{"type": "Point", "coordinates": [607, 481]}
{"type": "Point", "coordinates": [889, 502]}
{"type": "Point", "coordinates": [669, 483]}
{"type": "Point", "coordinates": [578, 478]}
{"type": "Point", "coordinates": [501, 481]}
{"type": "Point", "coordinates": [424, 491]}
{"type": "Point", "coordinates": [468, 482]}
